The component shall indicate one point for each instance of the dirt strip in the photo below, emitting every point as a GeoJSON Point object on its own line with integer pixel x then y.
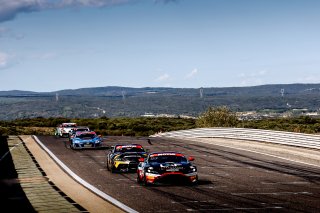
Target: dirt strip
{"type": "Point", "coordinates": [65, 183]}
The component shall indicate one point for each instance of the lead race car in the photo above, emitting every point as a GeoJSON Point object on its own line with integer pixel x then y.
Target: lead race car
{"type": "Point", "coordinates": [85, 139]}
{"type": "Point", "coordinates": [160, 167]}
{"type": "Point", "coordinates": [125, 158]}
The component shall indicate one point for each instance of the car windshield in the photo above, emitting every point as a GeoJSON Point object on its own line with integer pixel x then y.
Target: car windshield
{"type": "Point", "coordinates": [82, 130]}
{"type": "Point", "coordinates": [168, 158]}
{"type": "Point", "coordinates": [87, 136]}
{"type": "Point", "coordinates": [129, 149]}
{"type": "Point", "coordinates": [69, 125]}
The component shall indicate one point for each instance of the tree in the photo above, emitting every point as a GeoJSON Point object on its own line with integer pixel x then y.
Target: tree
{"type": "Point", "coordinates": [217, 117]}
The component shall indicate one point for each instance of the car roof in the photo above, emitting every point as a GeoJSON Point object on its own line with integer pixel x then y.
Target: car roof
{"type": "Point", "coordinates": [129, 145]}
{"type": "Point", "coordinates": [166, 153]}
{"type": "Point", "coordinates": [82, 127]}
{"type": "Point", "coordinates": [85, 132]}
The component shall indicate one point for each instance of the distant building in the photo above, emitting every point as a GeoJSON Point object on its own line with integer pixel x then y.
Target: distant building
{"type": "Point", "coordinates": [147, 114]}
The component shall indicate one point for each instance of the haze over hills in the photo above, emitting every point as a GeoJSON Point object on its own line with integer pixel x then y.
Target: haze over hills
{"type": "Point", "coordinates": [114, 101]}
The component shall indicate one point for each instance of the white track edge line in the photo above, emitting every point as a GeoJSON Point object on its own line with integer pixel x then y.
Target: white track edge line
{"type": "Point", "coordinates": [84, 183]}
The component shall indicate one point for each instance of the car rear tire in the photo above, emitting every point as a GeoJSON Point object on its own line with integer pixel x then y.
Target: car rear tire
{"type": "Point", "coordinates": [113, 170]}
{"type": "Point", "coordinates": [72, 146]}
{"type": "Point", "coordinates": [145, 182]}
{"type": "Point", "coordinates": [108, 168]}
{"type": "Point", "coordinates": [194, 183]}
{"type": "Point", "coordinates": [138, 179]}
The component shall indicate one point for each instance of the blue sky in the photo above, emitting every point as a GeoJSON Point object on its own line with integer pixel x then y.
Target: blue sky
{"type": "Point", "coordinates": [49, 45]}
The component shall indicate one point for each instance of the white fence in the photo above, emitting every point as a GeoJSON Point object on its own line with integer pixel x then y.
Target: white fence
{"type": "Point", "coordinates": [280, 137]}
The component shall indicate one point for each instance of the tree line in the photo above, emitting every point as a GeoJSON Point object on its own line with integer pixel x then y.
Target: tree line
{"type": "Point", "coordinates": [220, 116]}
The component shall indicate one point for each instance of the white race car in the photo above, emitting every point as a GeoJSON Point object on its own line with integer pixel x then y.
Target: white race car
{"type": "Point", "coordinates": [64, 129]}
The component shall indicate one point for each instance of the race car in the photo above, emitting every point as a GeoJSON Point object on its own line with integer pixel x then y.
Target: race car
{"type": "Point", "coordinates": [125, 158]}
{"type": "Point", "coordinates": [85, 139]}
{"type": "Point", "coordinates": [63, 129]}
{"type": "Point", "coordinates": [73, 131]}
{"type": "Point", "coordinates": [166, 167]}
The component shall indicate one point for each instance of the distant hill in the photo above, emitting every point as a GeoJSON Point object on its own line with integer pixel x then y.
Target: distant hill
{"type": "Point", "coordinates": [263, 90]}
{"type": "Point", "coordinates": [113, 101]}
{"type": "Point", "coordinates": [17, 93]}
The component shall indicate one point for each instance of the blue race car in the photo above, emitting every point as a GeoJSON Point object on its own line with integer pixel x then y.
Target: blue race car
{"type": "Point", "coordinates": [85, 139]}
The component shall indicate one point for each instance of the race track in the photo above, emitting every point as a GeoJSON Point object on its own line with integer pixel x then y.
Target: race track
{"type": "Point", "coordinates": [229, 179]}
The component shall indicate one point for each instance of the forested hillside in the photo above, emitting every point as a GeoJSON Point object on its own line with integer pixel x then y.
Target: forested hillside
{"type": "Point", "coordinates": [134, 102]}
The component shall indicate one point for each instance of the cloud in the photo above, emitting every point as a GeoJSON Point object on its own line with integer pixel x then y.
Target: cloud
{"type": "Point", "coordinates": [163, 77]}
{"type": "Point", "coordinates": [11, 8]}
{"type": "Point", "coordinates": [43, 56]}
{"type": "Point", "coordinates": [8, 60]}
{"type": "Point", "coordinates": [4, 57]}
{"type": "Point", "coordinates": [7, 33]}
{"type": "Point", "coordinates": [192, 73]}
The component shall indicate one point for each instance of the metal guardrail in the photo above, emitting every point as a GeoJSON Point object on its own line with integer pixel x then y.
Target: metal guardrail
{"type": "Point", "coordinates": [279, 137]}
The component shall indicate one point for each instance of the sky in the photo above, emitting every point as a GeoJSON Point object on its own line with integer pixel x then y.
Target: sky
{"type": "Point", "coordinates": [50, 45]}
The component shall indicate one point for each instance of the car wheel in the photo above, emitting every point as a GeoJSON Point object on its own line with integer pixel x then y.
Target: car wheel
{"type": "Point", "coordinates": [138, 179]}
{"type": "Point", "coordinates": [195, 182]}
{"type": "Point", "coordinates": [108, 168]}
{"type": "Point", "coordinates": [73, 146]}
{"type": "Point", "coordinates": [112, 170]}
{"type": "Point", "coordinates": [145, 182]}
{"type": "Point", "coordinates": [67, 144]}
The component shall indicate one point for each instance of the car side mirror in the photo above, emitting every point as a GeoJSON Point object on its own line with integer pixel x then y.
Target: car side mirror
{"type": "Point", "coordinates": [191, 158]}
{"type": "Point", "coordinates": [141, 159]}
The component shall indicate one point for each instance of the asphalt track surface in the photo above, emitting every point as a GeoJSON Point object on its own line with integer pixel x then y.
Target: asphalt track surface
{"type": "Point", "coordinates": [229, 179]}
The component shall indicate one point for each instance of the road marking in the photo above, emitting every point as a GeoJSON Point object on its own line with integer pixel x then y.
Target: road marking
{"type": "Point", "coordinates": [286, 183]}
{"type": "Point", "coordinates": [195, 201]}
{"type": "Point", "coordinates": [233, 209]}
{"type": "Point", "coordinates": [211, 187]}
{"type": "Point", "coordinates": [225, 167]}
{"type": "Point", "coordinates": [95, 156]}
{"type": "Point", "coordinates": [273, 193]}
{"type": "Point", "coordinates": [221, 173]}
{"type": "Point", "coordinates": [135, 186]}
